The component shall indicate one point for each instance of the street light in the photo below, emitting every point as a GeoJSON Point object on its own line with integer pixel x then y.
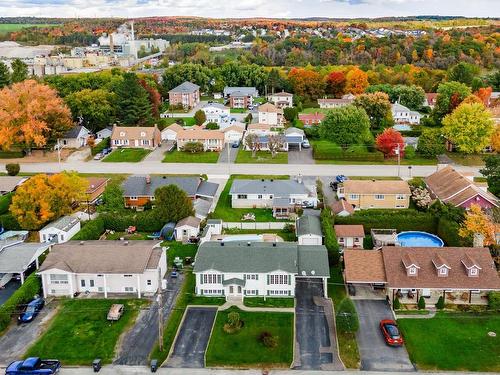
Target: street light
{"type": "Point", "coordinates": [409, 170]}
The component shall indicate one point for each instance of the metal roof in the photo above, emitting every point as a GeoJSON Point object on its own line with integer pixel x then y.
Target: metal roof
{"type": "Point", "coordinates": [15, 258]}
{"type": "Point", "coordinates": [64, 223]}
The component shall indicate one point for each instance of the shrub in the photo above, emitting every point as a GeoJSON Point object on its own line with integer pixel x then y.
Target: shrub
{"type": "Point", "coordinates": [5, 201]}
{"type": "Point", "coordinates": [13, 169]}
{"type": "Point", "coordinates": [9, 222]}
{"type": "Point", "coordinates": [440, 303]}
{"type": "Point", "coordinates": [368, 242]}
{"type": "Point", "coordinates": [421, 197]}
{"type": "Point", "coordinates": [92, 230]}
{"type": "Point", "coordinates": [200, 117]}
{"type": "Point", "coordinates": [234, 322]}
{"type": "Point", "coordinates": [494, 301]}
{"type": "Point", "coordinates": [105, 143]}
{"type": "Point", "coordinates": [268, 339]}
{"type": "Point", "coordinates": [396, 304]}
{"type": "Point", "coordinates": [193, 147]}
{"type": "Point", "coordinates": [347, 318]}
{"type": "Point", "coordinates": [447, 230]}
{"type": "Point", "coordinates": [11, 154]}
{"type": "Point", "coordinates": [421, 303]}
{"type": "Point", "coordinates": [331, 243]}
{"type": "Point", "coordinates": [289, 228]}
{"type": "Point", "coordinates": [410, 152]}
{"type": "Point", "coordinates": [212, 126]}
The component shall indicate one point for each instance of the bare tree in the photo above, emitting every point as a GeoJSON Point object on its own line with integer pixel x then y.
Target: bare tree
{"type": "Point", "coordinates": [275, 143]}
{"type": "Point", "coordinates": [252, 142]}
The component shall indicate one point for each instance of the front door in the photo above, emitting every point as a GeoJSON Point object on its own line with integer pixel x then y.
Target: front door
{"type": "Point", "coordinates": [235, 290]}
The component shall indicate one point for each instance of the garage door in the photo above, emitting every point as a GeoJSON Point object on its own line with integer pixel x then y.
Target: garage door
{"type": "Point", "coordinates": [311, 241]}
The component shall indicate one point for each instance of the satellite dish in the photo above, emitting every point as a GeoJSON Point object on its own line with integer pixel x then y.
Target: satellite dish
{"type": "Point", "coordinates": [303, 273]}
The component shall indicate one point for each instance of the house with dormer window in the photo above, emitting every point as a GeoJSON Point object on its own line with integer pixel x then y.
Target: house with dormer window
{"type": "Point", "coordinates": [460, 275]}
{"type": "Point", "coordinates": [148, 137]}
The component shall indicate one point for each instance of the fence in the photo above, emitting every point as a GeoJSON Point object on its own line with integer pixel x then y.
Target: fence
{"type": "Point", "coordinates": [254, 225]}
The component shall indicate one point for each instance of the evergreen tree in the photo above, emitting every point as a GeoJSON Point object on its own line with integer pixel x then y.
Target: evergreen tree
{"type": "Point", "coordinates": [19, 71]}
{"type": "Point", "coordinates": [134, 107]}
{"type": "Point", "coordinates": [4, 75]}
{"type": "Point", "coordinates": [172, 204]}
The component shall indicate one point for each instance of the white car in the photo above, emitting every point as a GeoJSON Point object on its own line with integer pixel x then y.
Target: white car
{"type": "Point", "coordinates": [305, 144]}
{"type": "Point", "coordinates": [98, 156]}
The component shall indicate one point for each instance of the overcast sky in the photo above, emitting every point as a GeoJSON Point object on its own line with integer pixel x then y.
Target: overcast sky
{"type": "Point", "coordinates": [248, 8]}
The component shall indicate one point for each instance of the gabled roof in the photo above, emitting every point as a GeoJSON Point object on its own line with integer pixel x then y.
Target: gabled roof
{"type": "Point", "coordinates": [269, 107]}
{"type": "Point", "coordinates": [309, 224]}
{"type": "Point", "coordinates": [74, 132]}
{"type": "Point", "coordinates": [175, 127]}
{"type": "Point", "coordinates": [185, 88]}
{"type": "Point", "coordinates": [439, 261]}
{"type": "Point", "coordinates": [364, 266]}
{"type": "Point", "coordinates": [235, 128]}
{"type": "Point", "coordinates": [64, 223]}
{"type": "Point", "coordinates": [133, 132]}
{"type": "Point", "coordinates": [375, 187]}
{"type": "Point", "coordinates": [282, 93]}
{"type": "Point", "coordinates": [342, 205]}
{"type": "Point", "coordinates": [136, 186]}
{"type": "Point", "coordinates": [10, 183]}
{"type": "Point", "coordinates": [291, 130]}
{"type": "Point", "coordinates": [95, 183]}
{"type": "Point", "coordinates": [240, 91]}
{"type": "Point", "coordinates": [333, 101]}
{"type": "Point", "coordinates": [352, 230]}
{"type": "Point", "coordinates": [199, 134]}
{"type": "Point", "coordinates": [278, 188]}
{"type": "Point", "coordinates": [396, 107]}
{"type": "Point", "coordinates": [16, 256]}
{"type": "Point", "coordinates": [189, 221]}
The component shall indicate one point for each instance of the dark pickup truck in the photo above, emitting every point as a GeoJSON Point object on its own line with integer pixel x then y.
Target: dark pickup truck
{"type": "Point", "coordinates": [34, 366]}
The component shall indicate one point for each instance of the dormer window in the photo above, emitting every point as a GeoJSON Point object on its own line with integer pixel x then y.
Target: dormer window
{"type": "Point", "coordinates": [122, 134]}
{"type": "Point", "coordinates": [412, 271]}
{"type": "Point", "coordinates": [473, 272]}
{"type": "Point", "coordinates": [143, 134]}
{"type": "Point", "coordinates": [443, 271]}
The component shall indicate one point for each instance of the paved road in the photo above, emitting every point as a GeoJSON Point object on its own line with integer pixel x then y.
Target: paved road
{"type": "Point", "coordinates": [156, 167]}
{"type": "Point", "coordinates": [15, 342]}
{"type": "Point", "coordinates": [192, 340]}
{"type": "Point", "coordinates": [140, 340]}
{"type": "Point", "coordinates": [312, 331]}
{"type": "Point", "coordinates": [375, 354]}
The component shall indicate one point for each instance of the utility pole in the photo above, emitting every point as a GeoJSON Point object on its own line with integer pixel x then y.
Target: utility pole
{"type": "Point", "coordinates": [398, 151]}
{"type": "Point", "coordinates": [160, 312]}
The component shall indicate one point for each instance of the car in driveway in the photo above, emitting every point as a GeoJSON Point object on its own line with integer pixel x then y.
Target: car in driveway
{"type": "Point", "coordinates": [98, 156]}
{"type": "Point", "coordinates": [34, 366]}
{"type": "Point", "coordinates": [31, 311]}
{"type": "Point", "coordinates": [391, 333]}
{"type": "Point", "coordinates": [306, 144]}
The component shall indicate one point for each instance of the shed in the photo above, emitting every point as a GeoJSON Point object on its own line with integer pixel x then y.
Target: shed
{"type": "Point", "coordinates": [308, 229]}
{"type": "Point", "coordinates": [187, 228]}
{"type": "Point", "coordinates": [61, 230]}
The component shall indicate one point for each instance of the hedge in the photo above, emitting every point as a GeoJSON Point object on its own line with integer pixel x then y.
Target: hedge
{"type": "Point", "coordinates": [411, 133]}
{"type": "Point", "coordinates": [91, 230]}
{"type": "Point", "coordinates": [105, 143]}
{"type": "Point", "coordinates": [401, 220]}
{"type": "Point", "coordinates": [331, 243]}
{"type": "Point", "coordinates": [11, 154]}
{"type": "Point", "coordinates": [22, 296]}
{"type": "Point", "coordinates": [324, 150]}
{"type": "Point", "coordinates": [494, 301]}
{"type": "Point", "coordinates": [347, 317]}
{"type": "Point", "coordinates": [5, 201]}
{"type": "Point", "coordinates": [8, 222]}
{"type": "Point", "coordinates": [447, 230]}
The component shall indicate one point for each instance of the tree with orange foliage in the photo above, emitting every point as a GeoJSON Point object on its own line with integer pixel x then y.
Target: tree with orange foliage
{"type": "Point", "coordinates": [306, 83]}
{"type": "Point", "coordinates": [335, 84]}
{"type": "Point", "coordinates": [389, 141]}
{"type": "Point", "coordinates": [484, 93]}
{"type": "Point", "coordinates": [476, 221]}
{"type": "Point", "coordinates": [44, 198]}
{"type": "Point", "coordinates": [31, 114]}
{"type": "Point", "coordinates": [356, 81]}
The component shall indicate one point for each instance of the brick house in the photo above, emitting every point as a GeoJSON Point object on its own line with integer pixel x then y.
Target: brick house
{"type": "Point", "coordinates": [186, 94]}
{"type": "Point", "coordinates": [309, 119]}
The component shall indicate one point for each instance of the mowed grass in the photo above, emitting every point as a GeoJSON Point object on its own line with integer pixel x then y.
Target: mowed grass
{"type": "Point", "coordinates": [269, 302]}
{"type": "Point", "coordinates": [454, 341]}
{"type": "Point", "coordinates": [129, 155]}
{"type": "Point", "coordinates": [178, 249]}
{"type": "Point", "coordinates": [190, 157]}
{"type": "Point", "coordinates": [80, 332]}
{"type": "Point", "coordinates": [244, 348]}
{"type": "Point", "coordinates": [261, 157]}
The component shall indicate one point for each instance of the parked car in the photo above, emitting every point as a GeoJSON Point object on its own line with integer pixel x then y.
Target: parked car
{"type": "Point", "coordinates": [174, 274]}
{"type": "Point", "coordinates": [31, 311]}
{"type": "Point", "coordinates": [307, 204]}
{"type": "Point", "coordinates": [34, 366]}
{"type": "Point", "coordinates": [391, 333]}
{"type": "Point", "coordinates": [107, 150]}
{"type": "Point", "coordinates": [341, 178]}
{"type": "Point", "coordinates": [235, 144]}
{"type": "Point", "coordinates": [116, 311]}
{"type": "Point", "coordinates": [306, 144]}
{"type": "Point", "coordinates": [98, 156]}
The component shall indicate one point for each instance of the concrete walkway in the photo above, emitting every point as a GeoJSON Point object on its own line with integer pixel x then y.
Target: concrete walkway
{"type": "Point", "coordinates": [432, 314]}
{"type": "Point", "coordinates": [241, 306]}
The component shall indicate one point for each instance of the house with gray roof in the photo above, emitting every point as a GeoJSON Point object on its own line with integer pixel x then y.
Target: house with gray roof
{"type": "Point", "coordinates": [186, 95]}
{"type": "Point", "coordinates": [60, 230]}
{"type": "Point", "coordinates": [255, 269]}
{"type": "Point", "coordinates": [75, 137]}
{"type": "Point", "coordinates": [404, 116]}
{"type": "Point", "coordinates": [282, 196]}
{"type": "Point", "coordinates": [245, 91]}
{"type": "Point", "coordinates": [308, 230]}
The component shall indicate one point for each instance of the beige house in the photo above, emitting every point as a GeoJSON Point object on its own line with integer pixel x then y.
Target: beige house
{"type": "Point", "coordinates": [271, 115]}
{"type": "Point", "coordinates": [281, 99]}
{"type": "Point", "coordinates": [135, 137]}
{"type": "Point", "coordinates": [212, 140]}
{"type": "Point", "coordinates": [350, 236]}
{"type": "Point", "coordinates": [365, 194]}
{"type": "Point", "coordinates": [170, 132]}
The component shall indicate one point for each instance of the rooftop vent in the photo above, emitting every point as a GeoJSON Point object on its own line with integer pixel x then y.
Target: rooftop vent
{"type": "Point", "coordinates": [313, 272]}
{"type": "Point", "coordinates": [249, 243]}
{"type": "Point", "coordinates": [222, 243]}
{"type": "Point", "coordinates": [274, 244]}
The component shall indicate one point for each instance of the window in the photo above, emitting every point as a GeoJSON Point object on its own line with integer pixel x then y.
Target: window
{"type": "Point", "coordinates": [133, 198]}
{"type": "Point", "coordinates": [127, 275]}
{"type": "Point", "coordinates": [279, 292]}
{"type": "Point", "coordinates": [443, 271]}
{"type": "Point", "coordinates": [473, 271]}
{"type": "Point", "coordinates": [143, 134]}
{"type": "Point", "coordinates": [259, 196]}
{"type": "Point", "coordinates": [400, 196]}
{"type": "Point", "coordinates": [122, 134]}
{"type": "Point", "coordinates": [145, 142]}
{"type": "Point", "coordinates": [92, 284]}
{"type": "Point", "coordinates": [82, 283]}
{"type": "Point", "coordinates": [412, 271]}
{"type": "Point", "coordinates": [279, 279]}
{"type": "Point", "coordinates": [252, 277]}
{"type": "Point", "coordinates": [400, 206]}
{"type": "Point", "coordinates": [251, 292]}
{"type": "Point", "coordinates": [129, 288]}
{"type": "Point", "coordinates": [341, 239]}
{"type": "Point", "coordinates": [353, 196]}
{"type": "Point", "coordinates": [212, 279]}
{"type": "Point", "coordinates": [379, 197]}
{"type": "Point", "coordinates": [148, 282]}
{"type": "Point", "coordinates": [242, 196]}
{"type": "Point", "coordinates": [59, 279]}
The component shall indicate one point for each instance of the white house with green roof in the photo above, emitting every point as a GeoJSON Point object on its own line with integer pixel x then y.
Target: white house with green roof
{"type": "Point", "coordinates": [237, 269]}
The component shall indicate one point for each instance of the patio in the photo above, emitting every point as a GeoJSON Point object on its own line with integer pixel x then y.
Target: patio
{"type": "Point", "coordinates": [459, 297]}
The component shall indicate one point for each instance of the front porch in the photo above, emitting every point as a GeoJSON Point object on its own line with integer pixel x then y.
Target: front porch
{"type": "Point", "coordinates": [456, 297]}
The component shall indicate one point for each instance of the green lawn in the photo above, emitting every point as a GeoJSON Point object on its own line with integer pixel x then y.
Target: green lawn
{"type": "Point", "coordinates": [130, 155]}
{"type": "Point", "coordinates": [261, 157]}
{"type": "Point", "coordinates": [189, 157]}
{"type": "Point", "coordinates": [178, 249]}
{"type": "Point", "coordinates": [238, 110]}
{"type": "Point", "coordinates": [244, 348]}
{"type": "Point", "coordinates": [268, 302]}
{"type": "Point", "coordinates": [347, 341]}
{"type": "Point", "coordinates": [453, 341]}
{"type": "Point", "coordinates": [466, 159]}
{"type": "Point", "coordinates": [224, 211]}
{"type": "Point", "coordinates": [80, 332]}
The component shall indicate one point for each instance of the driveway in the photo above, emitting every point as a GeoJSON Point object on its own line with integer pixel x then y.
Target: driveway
{"type": "Point", "coordinates": [228, 157]}
{"type": "Point", "coordinates": [138, 342]}
{"type": "Point", "coordinates": [8, 290]}
{"type": "Point", "coordinates": [328, 193]}
{"type": "Point", "coordinates": [375, 354]}
{"type": "Point", "coordinates": [156, 154]}
{"type": "Point", "coordinates": [192, 338]}
{"type": "Point", "coordinates": [18, 338]}
{"type": "Point", "coordinates": [303, 156]}
{"type": "Point", "coordinates": [316, 348]}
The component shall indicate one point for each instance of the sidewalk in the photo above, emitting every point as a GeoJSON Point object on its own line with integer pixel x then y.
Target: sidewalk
{"type": "Point", "coordinates": [239, 304]}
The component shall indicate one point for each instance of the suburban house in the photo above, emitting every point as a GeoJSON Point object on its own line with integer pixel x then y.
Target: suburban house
{"type": "Point", "coordinates": [257, 269]}
{"type": "Point", "coordinates": [271, 115]}
{"type": "Point", "coordinates": [135, 137]}
{"type": "Point", "coordinates": [170, 132]}
{"type": "Point", "coordinates": [363, 194]}
{"type": "Point", "coordinates": [334, 103]}
{"type": "Point", "coordinates": [450, 186]}
{"type": "Point", "coordinates": [140, 190]}
{"type": "Point", "coordinates": [187, 228]}
{"type": "Point", "coordinates": [232, 122]}
{"type": "Point", "coordinates": [404, 116]}
{"type": "Point", "coordinates": [215, 112]}
{"type": "Point", "coordinates": [430, 99]}
{"type": "Point", "coordinates": [233, 134]}
{"type": "Point", "coordinates": [97, 185]}
{"type": "Point", "coordinates": [342, 208]}
{"type": "Point", "coordinates": [310, 119]}
{"type": "Point", "coordinates": [294, 137]}
{"type": "Point", "coordinates": [283, 196]}
{"type": "Point", "coordinates": [240, 100]}
{"type": "Point", "coordinates": [76, 137]}
{"type": "Point", "coordinates": [350, 236]}
{"type": "Point", "coordinates": [308, 230]}
{"type": "Point", "coordinates": [263, 132]}
{"type": "Point", "coordinates": [187, 95]}
{"type": "Point", "coordinates": [103, 267]}
{"type": "Point", "coordinates": [8, 184]}
{"type": "Point", "coordinates": [248, 91]}
{"type": "Point", "coordinates": [60, 230]}
{"type": "Point", "coordinates": [212, 140]}
{"type": "Point", "coordinates": [461, 275]}
{"type": "Point", "coordinates": [281, 99]}
{"type": "Point", "coordinates": [104, 133]}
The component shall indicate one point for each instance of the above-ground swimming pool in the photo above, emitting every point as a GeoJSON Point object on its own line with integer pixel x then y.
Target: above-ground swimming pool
{"type": "Point", "coordinates": [419, 239]}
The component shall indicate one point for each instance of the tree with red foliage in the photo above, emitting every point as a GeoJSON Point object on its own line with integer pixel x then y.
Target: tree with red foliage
{"type": "Point", "coordinates": [335, 84]}
{"type": "Point", "coordinates": [154, 97]}
{"type": "Point", "coordinates": [388, 142]}
{"type": "Point", "coordinates": [306, 83]}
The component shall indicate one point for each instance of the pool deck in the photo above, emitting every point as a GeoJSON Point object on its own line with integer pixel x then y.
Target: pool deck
{"type": "Point", "coordinates": [266, 237]}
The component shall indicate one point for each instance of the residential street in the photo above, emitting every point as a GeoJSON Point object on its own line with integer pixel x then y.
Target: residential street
{"type": "Point", "coordinates": [156, 167]}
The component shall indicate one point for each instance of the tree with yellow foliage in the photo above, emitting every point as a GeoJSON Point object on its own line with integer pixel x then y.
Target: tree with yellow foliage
{"type": "Point", "coordinates": [495, 139]}
{"type": "Point", "coordinates": [44, 198]}
{"type": "Point", "coordinates": [356, 81]}
{"type": "Point", "coordinates": [476, 221]}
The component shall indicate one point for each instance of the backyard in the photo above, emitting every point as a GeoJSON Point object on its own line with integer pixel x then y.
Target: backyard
{"type": "Point", "coordinates": [453, 341]}
{"type": "Point", "coordinates": [190, 157]}
{"type": "Point", "coordinates": [261, 157]}
{"type": "Point", "coordinates": [130, 155]}
{"type": "Point", "coordinates": [80, 332]}
{"type": "Point", "coordinates": [244, 348]}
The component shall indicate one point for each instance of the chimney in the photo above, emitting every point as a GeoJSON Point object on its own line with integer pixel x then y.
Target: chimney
{"type": "Point", "coordinates": [125, 243]}
{"type": "Point", "coordinates": [148, 179]}
{"type": "Point", "coordinates": [274, 244]}
{"type": "Point", "coordinates": [478, 240]}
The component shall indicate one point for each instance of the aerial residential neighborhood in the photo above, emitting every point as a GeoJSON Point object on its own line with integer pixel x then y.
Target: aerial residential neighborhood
{"type": "Point", "coordinates": [269, 188]}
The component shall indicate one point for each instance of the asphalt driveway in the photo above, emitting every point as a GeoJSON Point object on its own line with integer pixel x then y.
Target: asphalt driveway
{"type": "Point", "coordinates": [303, 156]}
{"type": "Point", "coordinates": [18, 338]}
{"type": "Point", "coordinates": [192, 339]}
{"type": "Point", "coordinates": [138, 342]}
{"type": "Point", "coordinates": [314, 346]}
{"type": "Point", "coordinates": [375, 354]}
{"type": "Point", "coordinates": [8, 290]}
{"type": "Point", "coordinates": [225, 157]}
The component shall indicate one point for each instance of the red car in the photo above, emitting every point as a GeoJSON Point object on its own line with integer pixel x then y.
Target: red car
{"type": "Point", "coordinates": [391, 333]}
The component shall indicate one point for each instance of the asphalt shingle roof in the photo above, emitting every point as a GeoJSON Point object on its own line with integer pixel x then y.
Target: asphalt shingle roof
{"type": "Point", "coordinates": [136, 186]}
{"type": "Point", "coordinates": [279, 188]}
{"type": "Point", "coordinates": [309, 224]}
{"type": "Point", "coordinates": [186, 87]}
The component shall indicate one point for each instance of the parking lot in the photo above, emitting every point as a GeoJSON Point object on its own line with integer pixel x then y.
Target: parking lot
{"type": "Point", "coordinates": [375, 354]}
{"type": "Point", "coordinates": [192, 339]}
